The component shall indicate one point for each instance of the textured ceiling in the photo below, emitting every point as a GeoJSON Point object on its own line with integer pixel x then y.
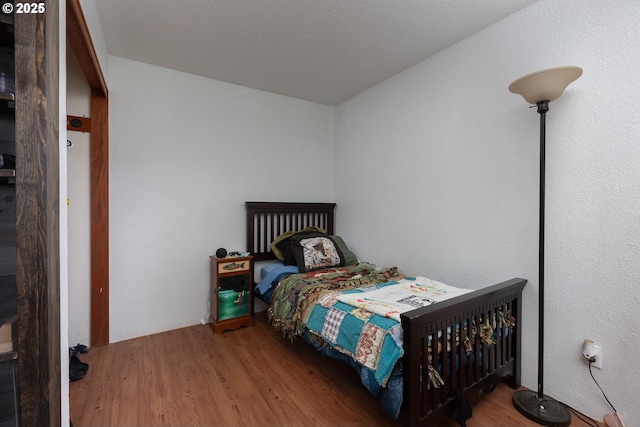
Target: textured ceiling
{"type": "Point", "coordinates": [324, 51]}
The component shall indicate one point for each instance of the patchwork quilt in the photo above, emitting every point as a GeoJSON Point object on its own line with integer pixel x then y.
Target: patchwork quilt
{"type": "Point", "coordinates": [371, 340]}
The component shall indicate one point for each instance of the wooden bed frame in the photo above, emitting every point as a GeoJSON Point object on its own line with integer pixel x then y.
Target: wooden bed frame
{"type": "Point", "coordinates": [424, 329]}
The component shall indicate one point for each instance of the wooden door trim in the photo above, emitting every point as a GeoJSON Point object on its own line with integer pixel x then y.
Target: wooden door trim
{"type": "Point", "coordinates": [79, 39]}
{"type": "Point", "coordinates": [99, 155]}
{"type": "Point", "coordinates": [80, 42]}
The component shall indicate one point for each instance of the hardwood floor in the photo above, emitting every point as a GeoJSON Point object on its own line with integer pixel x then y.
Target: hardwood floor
{"type": "Point", "coordinates": [248, 377]}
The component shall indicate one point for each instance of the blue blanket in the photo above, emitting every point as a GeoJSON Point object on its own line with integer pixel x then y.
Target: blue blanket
{"type": "Point", "coordinates": [276, 272]}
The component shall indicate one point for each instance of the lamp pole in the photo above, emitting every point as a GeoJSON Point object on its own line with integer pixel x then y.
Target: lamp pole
{"type": "Point", "coordinates": [543, 107]}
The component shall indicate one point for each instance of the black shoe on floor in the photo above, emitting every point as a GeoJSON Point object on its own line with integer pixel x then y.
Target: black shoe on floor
{"type": "Point", "coordinates": [77, 368]}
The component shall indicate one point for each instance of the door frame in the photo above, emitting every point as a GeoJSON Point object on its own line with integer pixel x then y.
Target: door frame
{"type": "Point", "coordinates": [79, 39]}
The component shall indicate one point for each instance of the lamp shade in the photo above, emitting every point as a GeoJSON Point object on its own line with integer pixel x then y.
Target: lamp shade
{"type": "Point", "coordinates": [545, 85]}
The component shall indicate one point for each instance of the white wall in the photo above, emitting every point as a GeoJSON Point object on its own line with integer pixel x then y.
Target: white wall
{"type": "Point", "coordinates": [186, 152]}
{"type": "Point", "coordinates": [442, 161]}
{"type": "Point", "coordinates": [79, 209]}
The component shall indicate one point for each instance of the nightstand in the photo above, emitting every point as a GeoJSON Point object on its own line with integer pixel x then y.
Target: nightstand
{"type": "Point", "coordinates": [231, 293]}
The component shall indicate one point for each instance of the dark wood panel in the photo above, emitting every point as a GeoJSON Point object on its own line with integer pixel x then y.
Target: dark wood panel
{"type": "Point", "coordinates": [37, 196]}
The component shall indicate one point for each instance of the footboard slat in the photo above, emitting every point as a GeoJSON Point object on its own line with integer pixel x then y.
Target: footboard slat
{"type": "Point", "coordinates": [493, 349]}
{"type": "Point", "coordinates": [463, 339]}
{"type": "Point", "coordinates": [479, 362]}
{"type": "Point", "coordinates": [462, 354]}
{"type": "Point", "coordinates": [500, 359]}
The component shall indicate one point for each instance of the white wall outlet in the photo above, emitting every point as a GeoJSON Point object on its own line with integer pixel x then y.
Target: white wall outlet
{"type": "Point", "coordinates": [598, 362]}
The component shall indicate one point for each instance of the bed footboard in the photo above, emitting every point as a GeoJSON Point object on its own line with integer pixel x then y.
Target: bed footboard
{"type": "Point", "coordinates": [469, 340]}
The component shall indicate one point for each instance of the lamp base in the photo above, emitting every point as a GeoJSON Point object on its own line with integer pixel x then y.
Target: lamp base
{"type": "Point", "coordinates": [543, 410]}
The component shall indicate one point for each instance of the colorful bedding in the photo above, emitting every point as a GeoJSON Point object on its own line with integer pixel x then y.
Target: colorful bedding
{"type": "Point", "coordinates": [352, 313]}
{"type": "Point", "coordinates": [293, 300]}
{"type": "Point", "coordinates": [373, 341]}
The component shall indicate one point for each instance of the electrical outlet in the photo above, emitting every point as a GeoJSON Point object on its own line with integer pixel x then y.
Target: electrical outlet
{"type": "Point", "coordinates": [598, 362]}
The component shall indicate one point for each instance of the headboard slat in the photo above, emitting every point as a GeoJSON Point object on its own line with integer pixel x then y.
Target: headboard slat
{"type": "Point", "coordinates": [267, 220]}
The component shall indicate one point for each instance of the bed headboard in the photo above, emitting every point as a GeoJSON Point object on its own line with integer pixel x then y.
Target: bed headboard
{"type": "Point", "coordinates": [267, 220]}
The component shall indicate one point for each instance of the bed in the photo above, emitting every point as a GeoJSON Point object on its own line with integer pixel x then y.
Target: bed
{"type": "Point", "coordinates": [450, 353]}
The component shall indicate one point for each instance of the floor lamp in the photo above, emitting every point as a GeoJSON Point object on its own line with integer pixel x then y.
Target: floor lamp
{"type": "Point", "coordinates": [540, 88]}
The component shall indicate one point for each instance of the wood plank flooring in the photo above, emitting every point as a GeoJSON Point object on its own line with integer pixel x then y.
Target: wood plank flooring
{"type": "Point", "coordinates": [248, 377]}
